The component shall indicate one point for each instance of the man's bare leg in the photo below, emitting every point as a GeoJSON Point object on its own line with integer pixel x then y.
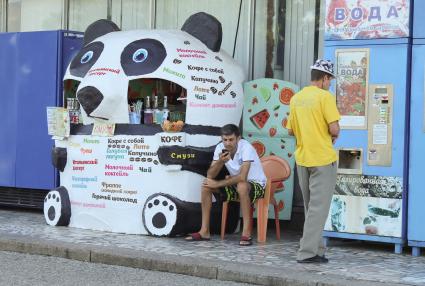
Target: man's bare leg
{"type": "Point", "coordinates": [206, 203]}
{"type": "Point", "coordinates": [243, 189]}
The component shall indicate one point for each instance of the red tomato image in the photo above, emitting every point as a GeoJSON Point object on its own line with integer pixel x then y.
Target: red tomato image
{"type": "Point", "coordinates": [284, 122]}
{"type": "Point", "coordinates": [272, 131]}
{"type": "Point", "coordinates": [286, 95]}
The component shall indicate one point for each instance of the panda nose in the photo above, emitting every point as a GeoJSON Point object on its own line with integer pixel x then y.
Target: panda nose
{"type": "Point", "coordinates": [89, 98]}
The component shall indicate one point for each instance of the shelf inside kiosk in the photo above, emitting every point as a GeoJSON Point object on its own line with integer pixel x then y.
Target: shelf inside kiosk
{"type": "Point", "coordinates": [157, 101]}
{"type": "Point", "coordinates": [151, 101]}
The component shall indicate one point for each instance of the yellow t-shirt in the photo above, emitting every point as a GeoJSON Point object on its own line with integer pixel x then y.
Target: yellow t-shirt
{"type": "Point", "coordinates": [311, 110]}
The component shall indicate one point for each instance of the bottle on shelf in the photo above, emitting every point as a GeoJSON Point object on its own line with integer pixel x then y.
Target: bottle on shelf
{"type": "Point", "coordinates": [148, 113]}
{"type": "Point", "coordinates": [157, 113]}
{"type": "Point", "coordinates": [165, 111]}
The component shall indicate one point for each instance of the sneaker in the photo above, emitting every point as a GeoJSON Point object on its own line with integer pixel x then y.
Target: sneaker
{"type": "Point", "coordinates": [314, 259]}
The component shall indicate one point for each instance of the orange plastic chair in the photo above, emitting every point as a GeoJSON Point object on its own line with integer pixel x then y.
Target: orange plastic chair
{"type": "Point", "coordinates": [276, 170]}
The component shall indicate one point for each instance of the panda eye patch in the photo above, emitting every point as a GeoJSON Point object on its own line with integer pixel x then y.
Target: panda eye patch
{"type": "Point", "coordinates": [85, 59]}
{"type": "Point", "coordinates": [142, 57]}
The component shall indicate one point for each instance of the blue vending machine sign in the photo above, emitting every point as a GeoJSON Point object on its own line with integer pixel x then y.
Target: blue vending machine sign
{"type": "Point", "coordinates": [366, 19]}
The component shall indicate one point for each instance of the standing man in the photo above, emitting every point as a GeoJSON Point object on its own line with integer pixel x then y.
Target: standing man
{"type": "Point", "coordinates": [313, 120]}
{"type": "Point", "coordinates": [246, 181]}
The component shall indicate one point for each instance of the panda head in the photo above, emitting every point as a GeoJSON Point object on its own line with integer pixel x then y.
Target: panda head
{"type": "Point", "coordinates": [190, 58]}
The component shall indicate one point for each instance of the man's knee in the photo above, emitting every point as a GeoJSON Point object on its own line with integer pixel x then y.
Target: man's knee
{"type": "Point", "coordinates": [207, 190]}
{"type": "Point", "coordinates": [242, 188]}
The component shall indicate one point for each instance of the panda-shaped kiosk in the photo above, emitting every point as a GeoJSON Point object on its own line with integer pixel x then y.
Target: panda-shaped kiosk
{"type": "Point", "coordinates": [143, 180]}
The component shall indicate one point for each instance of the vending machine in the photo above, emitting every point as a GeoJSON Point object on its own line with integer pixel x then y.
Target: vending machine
{"type": "Point", "coordinates": [32, 67]}
{"type": "Point", "coordinates": [369, 43]}
{"type": "Point", "coordinates": [416, 230]}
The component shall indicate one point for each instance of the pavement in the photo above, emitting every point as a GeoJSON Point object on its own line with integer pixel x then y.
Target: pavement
{"type": "Point", "coordinates": [272, 263]}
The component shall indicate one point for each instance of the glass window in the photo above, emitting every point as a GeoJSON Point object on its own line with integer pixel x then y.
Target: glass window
{"type": "Point", "coordinates": [21, 13]}
{"type": "Point", "coordinates": [82, 13]}
{"type": "Point", "coordinates": [171, 14]}
{"type": "Point", "coordinates": [14, 15]}
{"type": "Point", "coordinates": [133, 14]}
{"type": "Point", "coordinates": [2, 15]}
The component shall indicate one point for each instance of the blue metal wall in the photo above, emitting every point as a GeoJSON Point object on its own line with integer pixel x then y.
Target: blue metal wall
{"type": "Point", "coordinates": [8, 108]}
{"type": "Point", "coordinates": [33, 64]}
{"type": "Point", "coordinates": [416, 214]}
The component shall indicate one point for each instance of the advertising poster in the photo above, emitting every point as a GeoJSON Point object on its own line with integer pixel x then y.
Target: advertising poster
{"type": "Point", "coordinates": [352, 86]}
{"type": "Point", "coordinates": [58, 121]}
{"type": "Point", "coordinates": [266, 108]}
{"type": "Point", "coordinates": [366, 19]}
{"type": "Point", "coordinates": [366, 205]}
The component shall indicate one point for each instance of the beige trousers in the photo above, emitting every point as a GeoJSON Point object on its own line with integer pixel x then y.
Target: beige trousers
{"type": "Point", "coordinates": [317, 186]}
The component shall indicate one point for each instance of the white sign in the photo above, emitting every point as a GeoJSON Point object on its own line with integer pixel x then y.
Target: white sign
{"type": "Point", "coordinates": [58, 121]}
{"type": "Point", "coordinates": [380, 134]}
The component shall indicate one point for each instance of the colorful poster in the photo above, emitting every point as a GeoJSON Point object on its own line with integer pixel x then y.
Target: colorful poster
{"type": "Point", "coordinates": [352, 86]}
{"type": "Point", "coordinates": [366, 205]}
{"type": "Point", "coordinates": [58, 123]}
{"type": "Point", "coordinates": [366, 19]}
{"type": "Point", "coordinates": [266, 109]}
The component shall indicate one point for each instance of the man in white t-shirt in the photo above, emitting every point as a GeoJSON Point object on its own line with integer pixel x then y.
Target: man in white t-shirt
{"type": "Point", "coordinates": [246, 181]}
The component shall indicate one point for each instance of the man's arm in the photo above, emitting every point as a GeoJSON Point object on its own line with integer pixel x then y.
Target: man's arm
{"type": "Point", "coordinates": [214, 169]}
{"type": "Point", "coordinates": [232, 180]}
{"type": "Point", "coordinates": [334, 130]}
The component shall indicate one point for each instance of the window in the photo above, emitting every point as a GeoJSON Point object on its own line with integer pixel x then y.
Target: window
{"type": "Point", "coordinates": [133, 14]}
{"type": "Point", "coordinates": [2, 16]}
{"type": "Point", "coordinates": [82, 13]}
{"type": "Point", "coordinates": [20, 15]}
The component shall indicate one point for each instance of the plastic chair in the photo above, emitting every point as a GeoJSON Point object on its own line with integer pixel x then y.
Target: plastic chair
{"type": "Point", "coordinates": [276, 170]}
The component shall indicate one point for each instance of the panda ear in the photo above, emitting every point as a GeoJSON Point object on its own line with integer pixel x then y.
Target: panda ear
{"type": "Point", "coordinates": [99, 28]}
{"type": "Point", "coordinates": [205, 28]}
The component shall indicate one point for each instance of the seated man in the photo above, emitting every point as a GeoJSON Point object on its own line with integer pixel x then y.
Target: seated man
{"type": "Point", "coordinates": [246, 181]}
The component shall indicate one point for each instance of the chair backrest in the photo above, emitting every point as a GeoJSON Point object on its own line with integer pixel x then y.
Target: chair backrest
{"type": "Point", "coordinates": [275, 168]}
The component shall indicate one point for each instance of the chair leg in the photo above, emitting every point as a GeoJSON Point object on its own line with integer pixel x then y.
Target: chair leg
{"type": "Point", "coordinates": [262, 217]}
{"type": "Point", "coordinates": [277, 223]}
{"type": "Point", "coordinates": [251, 219]}
{"type": "Point", "coordinates": [224, 218]}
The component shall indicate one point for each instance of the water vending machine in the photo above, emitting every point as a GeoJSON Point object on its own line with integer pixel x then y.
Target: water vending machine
{"type": "Point", "coordinates": [416, 211]}
{"type": "Point", "coordinates": [369, 43]}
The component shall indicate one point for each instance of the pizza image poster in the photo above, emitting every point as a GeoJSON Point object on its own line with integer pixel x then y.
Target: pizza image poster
{"type": "Point", "coordinates": [351, 86]}
{"type": "Point", "coordinates": [266, 109]}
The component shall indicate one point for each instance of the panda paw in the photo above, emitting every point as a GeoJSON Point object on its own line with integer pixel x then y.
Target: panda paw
{"type": "Point", "coordinates": [57, 207]}
{"type": "Point", "coordinates": [159, 215]}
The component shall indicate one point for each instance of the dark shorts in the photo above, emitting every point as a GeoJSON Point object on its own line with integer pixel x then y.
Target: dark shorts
{"type": "Point", "coordinates": [231, 194]}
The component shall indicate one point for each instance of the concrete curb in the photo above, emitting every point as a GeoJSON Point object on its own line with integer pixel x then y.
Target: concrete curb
{"type": "Point", "coordinates": [226, 271]}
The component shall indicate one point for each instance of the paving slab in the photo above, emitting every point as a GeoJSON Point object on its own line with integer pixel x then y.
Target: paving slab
{"type": "Point", "coordinates": [273, 263]}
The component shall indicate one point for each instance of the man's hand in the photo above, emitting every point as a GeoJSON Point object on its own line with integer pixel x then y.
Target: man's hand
{"type": "Point", "coordinates": [210, 183]}
{"type": "Point", "coordinates": [224, 157]}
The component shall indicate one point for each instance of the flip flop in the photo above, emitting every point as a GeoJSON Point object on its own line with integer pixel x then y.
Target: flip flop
{"type": "Point", "coordinates": [196, 236]}
{"type": "Point", "coordinates": [245, 240]}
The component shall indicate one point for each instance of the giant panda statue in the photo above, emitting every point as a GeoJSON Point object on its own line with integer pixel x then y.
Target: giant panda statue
{"type": "Point", "coordinates": [143, 180]}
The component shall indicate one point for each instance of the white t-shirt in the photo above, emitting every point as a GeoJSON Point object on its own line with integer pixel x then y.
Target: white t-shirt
{"type": "Point", "coordinates": [245, 152]}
